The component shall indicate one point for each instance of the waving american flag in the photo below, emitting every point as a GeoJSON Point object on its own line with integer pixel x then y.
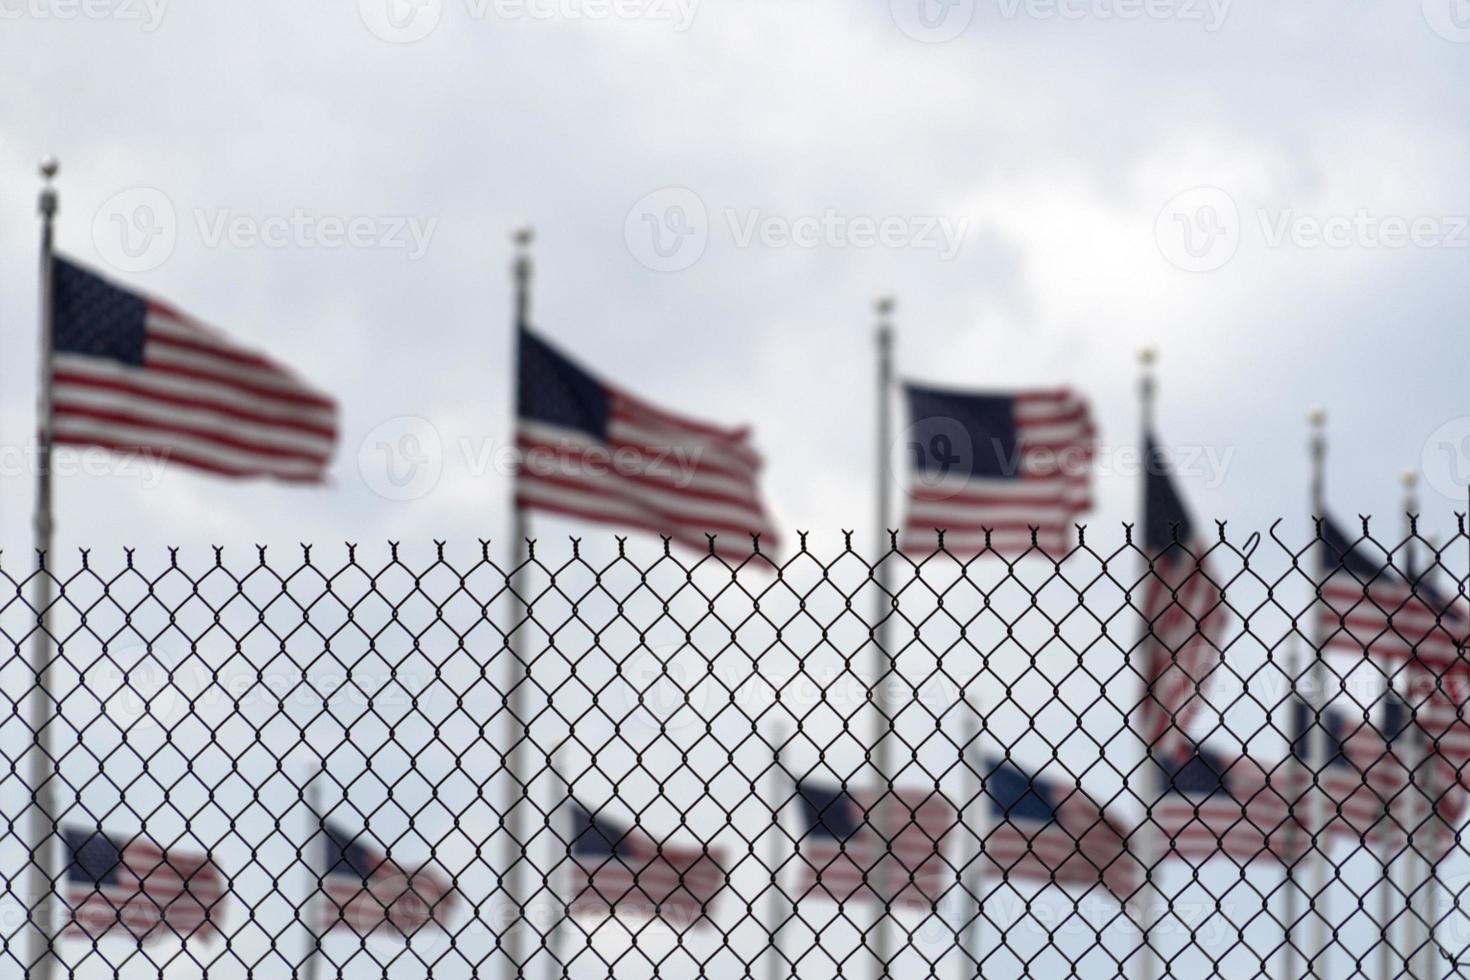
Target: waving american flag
{"type": "Point", "coordinates": [131, 373]}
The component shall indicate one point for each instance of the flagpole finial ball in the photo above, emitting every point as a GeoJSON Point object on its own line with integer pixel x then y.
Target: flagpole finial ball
{"type": "Point", "coordinates": [1147, 354]}
{"type": "Point", "coordinates": [1317, 417]}
{"type": "Point", "coordinates": [523, 236]}
{"type": "Point", "coordinates": [1411, 479]}
{"type": "Point", "coordinates": [50, 166]}
{"type": "Point", "coordinates": [884, 305]}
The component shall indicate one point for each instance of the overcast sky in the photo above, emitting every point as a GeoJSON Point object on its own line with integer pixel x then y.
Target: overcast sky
{"type": "Point", "coordinates": [1274, 195]}
{"type": "Point", "coordinates": [1020, 180]}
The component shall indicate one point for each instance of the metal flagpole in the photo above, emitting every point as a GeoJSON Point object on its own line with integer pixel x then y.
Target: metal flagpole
{"type": "Point", "coordinates": [41, 871]}
{"type": "Point", "coordinates": [1316, 749]}
{"type": "Point", "coordinates": [1149, 963]}
{"type": "Point", "coordinates": [778, 904]}
{"type": "Point", "coordinates": [972, 872]}
{"type": "Point", "coordinates": [882, 657]}
{"type": "Point", "coordinates": [555, 935]}
{"type": "Point", "coordinates": [514, 942]}
{"type": "Point", "coordinates": [1385, 887]}
{"type": "Point", "coordinates": [316, 826]}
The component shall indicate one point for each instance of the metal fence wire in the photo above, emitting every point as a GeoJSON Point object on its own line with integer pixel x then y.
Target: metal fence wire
{"type": "Point", "coordinates": [1240, 755]}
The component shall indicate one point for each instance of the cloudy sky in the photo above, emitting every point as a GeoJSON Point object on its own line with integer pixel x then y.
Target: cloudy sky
{"type": "Point", "coordinates": [1277, 196]}
{"type": "Point", "coordinates": [1010, 170]}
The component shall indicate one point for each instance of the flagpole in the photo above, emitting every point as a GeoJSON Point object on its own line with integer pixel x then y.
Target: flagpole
{"type": "Point", "coordinates": [777, 903]}
{"type": "Point", "coordinates": [1149, 962]}
{"type": "Point", "coordinates": [1316, 747]}
{"type": "Point", "coordinates": [972, 872]}
{"type": "Point", "coordinates": [1385, 888]}
{"type": "Point", "coordinates": [313, 908]}
{"type": "Point", "coordinates": [518, 727]}
{"type": "Point", "coordinates": [41, 871]}
{"type": "Point", "coordinates": [555, 943]}
{"type": "Point", "coordinates": [884, 610]}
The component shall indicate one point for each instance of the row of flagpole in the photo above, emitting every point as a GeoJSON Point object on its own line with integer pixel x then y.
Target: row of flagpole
{"type": "Point", "coordinates": [41, 874]}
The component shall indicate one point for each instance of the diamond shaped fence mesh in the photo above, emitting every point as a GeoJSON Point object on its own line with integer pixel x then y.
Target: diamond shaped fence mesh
{"type": "Point", "coordinates": [1244, 755]}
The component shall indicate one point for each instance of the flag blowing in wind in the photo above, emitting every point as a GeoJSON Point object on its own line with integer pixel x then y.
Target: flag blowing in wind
{"type": "Point", "coordinates": [1044, 830]}
{"type": "Point", "coordinates": [1184, 609]}
{"type": "Point", "coordinates": [132, 374]}
{"type": "Point", "coordinates": [992, 470]}
{"type": "Point", "coordinates": [614, 869]}
{"type": "Point", "coordinates": [884, 846]}
{"type": "Point", "coordinates": [139, 888]}
{"type": "Point", "coordinates": [366, 892]}
{"type": "Point", "coordinates": [1213, 806]}
{"type": "Point", "coordinates": [593, 452]}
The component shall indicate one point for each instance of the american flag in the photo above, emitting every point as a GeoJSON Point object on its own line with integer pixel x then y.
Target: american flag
{"type": "Point", "coordinates": [885, 846]}
{"type": "Point", "coordinates": [1184, 609]}
{"type": "Point", "coordinates": [617, 869]}
{"type": "Point", "coordinates": [1045, 830]}
{"type": "Point", "coordinates": [1369, 609]}
{"type": "Point", "coordinates": [1357, 780]}
{"type": "Point", "coordinates": [139, 888]}
{"type": "Point", "coordinates": [365, 892]}
{"type": "Point", "coordinates": [989, 469]}
{"type": "Point", "coordinates": [1404, 750]}
{"type": "Point", "coordinates": [133, 374]}
{"type": "Point", "coordinates": [593, 452]}
{"type": "Point", "coordinates": [1210, 806]}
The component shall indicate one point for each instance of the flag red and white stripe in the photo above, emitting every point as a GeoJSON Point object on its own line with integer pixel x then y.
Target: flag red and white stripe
{"type": "Point", "coordinates": [914, 874]}
{"type": "Point", "coordinates": [149, 894]}
{"type": "Point", "coordinates": [172, 387]}
{"type": "Point", "coordinates": [1041, 491]}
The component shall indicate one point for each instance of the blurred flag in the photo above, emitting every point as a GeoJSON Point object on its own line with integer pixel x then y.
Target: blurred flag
{"type": "Point", "coordinates": [624, 870]}
{"type": "Point", "coordinates": [1210, 806]}
{"type": "Point", "coordinates": [132, 374]}
{"type": "Point", "coordinates": [591, 451]}
{"type": "Point", "coordinates": [136, 887]}
{"type": "Point", "coordinates": [1045, 830]}
{"type": "Point", "coordinates": [845, 845]}
{"type": "Point", "coordinates": [987, 469]}
{"type": "Point", "coordinates": [368, 893]}
{"type": "Point", "coordinates": [1356, 781]}
{"type": "Point", "coordinates": [1184, 608]}
{"type": "Point", "coordinates": [1369, 609]}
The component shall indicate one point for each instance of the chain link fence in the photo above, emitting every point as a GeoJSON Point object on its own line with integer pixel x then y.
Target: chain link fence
{"type": "Point", "coordinates": [622, 760]}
